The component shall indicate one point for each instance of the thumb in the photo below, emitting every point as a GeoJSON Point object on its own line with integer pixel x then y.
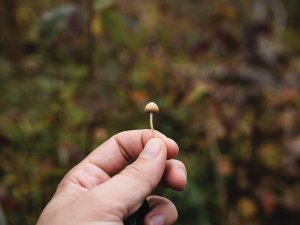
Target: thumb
{"type": "Point", "coordinates": [126, 191]}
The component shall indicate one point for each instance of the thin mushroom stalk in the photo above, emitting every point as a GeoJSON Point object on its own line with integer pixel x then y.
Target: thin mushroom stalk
{"type": "Point", "coordinates": [152, 108]}
{"type": "Point", "coordinates": [151, 121]}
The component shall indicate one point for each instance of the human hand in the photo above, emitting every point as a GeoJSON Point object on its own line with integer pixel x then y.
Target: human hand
{"type": "Point", "coordinates": [105, 188]}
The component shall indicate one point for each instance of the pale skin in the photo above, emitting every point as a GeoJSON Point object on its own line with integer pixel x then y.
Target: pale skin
{"type": "Point", "coordinates": [105, 188]}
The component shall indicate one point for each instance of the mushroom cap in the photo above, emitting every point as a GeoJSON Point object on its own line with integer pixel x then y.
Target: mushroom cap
{"type": "Point", "coordinates": [151, 107]}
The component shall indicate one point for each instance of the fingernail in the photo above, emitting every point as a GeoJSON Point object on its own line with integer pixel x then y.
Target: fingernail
{"type": "Point", "coordinates": [157, 220]}
{"type": "Point", "coordinates": [151, 149]}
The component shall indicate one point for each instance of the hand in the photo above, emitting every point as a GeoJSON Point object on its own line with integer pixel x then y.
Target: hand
{"type": "Point", "coordinates": [104, 189]}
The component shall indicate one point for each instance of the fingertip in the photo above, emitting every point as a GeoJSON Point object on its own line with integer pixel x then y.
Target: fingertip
{"type": "Point", "coordinates": [181, 180]}
{"type": "Point", "coordinates": [163, 211]}
{"type": "Point", "coordinates": [175, 175]}
{"type": "Point", "coordinates": [177, 179]}
{"type": "Point", "coordinates": [172, 146]}
{"type": "Point", "coordinates": [163, 145]}
{"type": "Point", "coordinates": [153, 148]}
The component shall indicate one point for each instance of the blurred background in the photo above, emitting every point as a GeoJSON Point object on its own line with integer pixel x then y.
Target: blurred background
{"type": "Point", "coordinates": [225, 74]}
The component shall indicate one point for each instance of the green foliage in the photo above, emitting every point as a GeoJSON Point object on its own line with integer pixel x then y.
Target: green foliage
{"type": "Point", "coordinates": [225, 74]}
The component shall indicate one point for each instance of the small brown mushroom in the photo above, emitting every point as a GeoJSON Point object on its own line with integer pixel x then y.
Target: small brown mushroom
{"type": "Point", "coordinates": [151, 108]}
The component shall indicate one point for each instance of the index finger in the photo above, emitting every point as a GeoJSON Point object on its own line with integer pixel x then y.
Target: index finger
{"type": "Point", "coordinates": [118, 151]}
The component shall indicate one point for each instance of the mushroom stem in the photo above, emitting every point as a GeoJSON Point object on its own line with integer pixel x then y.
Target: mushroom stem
{"type": "Point", "coordinates": [151, 121]}
{"type": "Point", "coordinates": [151, 124]}
{"type": "Point", "coordinates": [151, 108]}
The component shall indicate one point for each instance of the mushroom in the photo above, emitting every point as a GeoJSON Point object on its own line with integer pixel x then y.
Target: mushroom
{"type": "Point", "coordinates": [151, 108]}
